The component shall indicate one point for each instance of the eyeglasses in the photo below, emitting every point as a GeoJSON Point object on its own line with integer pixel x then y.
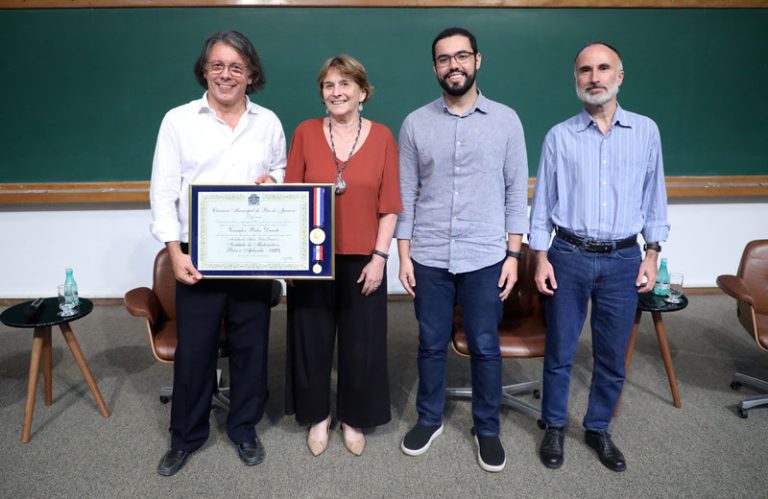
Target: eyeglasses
{"type": "Point", "coordinates": [461, 57]}
{"type": "Point", "coordinates": [235, 69]}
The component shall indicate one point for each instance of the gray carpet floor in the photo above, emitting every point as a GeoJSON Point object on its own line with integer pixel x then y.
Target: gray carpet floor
{"type": "Point", "coordinates": [701, 450]}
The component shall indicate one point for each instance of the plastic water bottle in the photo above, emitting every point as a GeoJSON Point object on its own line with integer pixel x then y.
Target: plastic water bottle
{"type": "Point", "coordinates": [661, 288]}
{"type": "Point", "coordinates": [70, 280]}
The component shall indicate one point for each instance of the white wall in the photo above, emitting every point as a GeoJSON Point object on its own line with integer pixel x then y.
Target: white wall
{"type": "Point", "coordinates": [111, 250]}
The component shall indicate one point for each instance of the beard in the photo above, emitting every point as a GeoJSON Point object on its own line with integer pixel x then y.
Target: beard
{"type": "Point", "coordinates": [597, 99]}
{"type": "Point", "coordinates": [458, 90]}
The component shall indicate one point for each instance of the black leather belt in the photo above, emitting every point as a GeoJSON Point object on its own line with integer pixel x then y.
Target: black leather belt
{"type": "Point", "coordinates": [594, 245]}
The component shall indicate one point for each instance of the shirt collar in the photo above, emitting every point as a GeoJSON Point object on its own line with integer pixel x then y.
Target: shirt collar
{"type": "Point", "coordinates": [204, 107]}
{"type": "Point", "coordinates": [481, 104]}
{"type": "Point", "coordinates": [620, 118]}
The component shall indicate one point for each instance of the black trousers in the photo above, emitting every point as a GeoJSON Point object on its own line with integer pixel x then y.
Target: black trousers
{"type": "Point", "coordinates": [316, 311]}
{"type": "Point", "coordinates": [244, 306]}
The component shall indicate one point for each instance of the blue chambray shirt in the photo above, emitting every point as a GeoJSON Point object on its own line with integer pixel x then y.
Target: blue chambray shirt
{"type": "Point", "coordinates": [605, 187]}
{"type": "Point", "coordinates": [463, 182]}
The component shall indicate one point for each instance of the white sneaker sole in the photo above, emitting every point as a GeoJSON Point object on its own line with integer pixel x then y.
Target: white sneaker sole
{"type": "Point", "coordinates": [486, 466]}
{"type": "Point", "coordinates": [418, 452]}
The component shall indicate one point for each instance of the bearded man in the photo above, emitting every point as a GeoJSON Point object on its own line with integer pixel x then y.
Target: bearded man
{"type": "Point", "coordinates": [600, 183]}
{"type": "Point", "coordinates": [463, 183]}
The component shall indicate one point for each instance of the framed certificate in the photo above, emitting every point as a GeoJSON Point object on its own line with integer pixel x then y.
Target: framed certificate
{"type": "Point", "coordinates": [262, 231]}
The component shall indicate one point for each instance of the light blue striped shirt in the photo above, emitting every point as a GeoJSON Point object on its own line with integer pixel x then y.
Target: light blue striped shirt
{"type": "Point", "coordinates": [464, 184]}
{"type": "Point", "coordinates": [605, 187]}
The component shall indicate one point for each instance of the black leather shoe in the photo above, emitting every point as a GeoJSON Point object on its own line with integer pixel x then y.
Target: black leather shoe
{"type": "Point", "coordinates": [172, 461]}
{"type": "Point", "coordinates": [551, 450]}
{"type": "Point", "coordinates": [251, 453]}
{"type": "Point", "coordinates": [609, 454]}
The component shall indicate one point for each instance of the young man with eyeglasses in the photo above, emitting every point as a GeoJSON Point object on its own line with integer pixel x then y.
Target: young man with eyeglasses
{"type": "Point", "coordinates": [222, 138]}
{"type": "Point", "coordinates": [463, 183]}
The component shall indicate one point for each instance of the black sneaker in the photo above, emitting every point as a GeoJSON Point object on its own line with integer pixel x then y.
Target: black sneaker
{"type": "Point", "coordinates": [490, 453]}
{"type": "Point", "coordinates": [417, 441]}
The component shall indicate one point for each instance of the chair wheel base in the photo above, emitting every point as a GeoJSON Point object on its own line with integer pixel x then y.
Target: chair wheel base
{"type": "Point", "coordinates": [743, 414]}
{"type": "Point", "coordinates": [164, 399]}
{"type": "Point", "coordinates": [537, 394]}
{"type": "Point", "coordinates": [735, 385]}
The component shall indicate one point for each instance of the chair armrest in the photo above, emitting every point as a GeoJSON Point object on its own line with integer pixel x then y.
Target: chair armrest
{"type": "Point", "coordinates": [734, 286]}
{"type": "Point", "coordinates": [142, 302]}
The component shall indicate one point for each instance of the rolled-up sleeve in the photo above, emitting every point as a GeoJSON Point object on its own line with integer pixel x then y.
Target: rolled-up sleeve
{"type": "Point", "coordinates": [656, 226]}
{"type": "Point", "coordinates": [543, 194]}
{"type": "Point", "coordinates": [165, 185]}
{"type": "Point", "coordinates": [516, 180]}
{"type": "Point", "coordinates": [409, 181]}
{"type": "Point", "coordinates": [277, 152]}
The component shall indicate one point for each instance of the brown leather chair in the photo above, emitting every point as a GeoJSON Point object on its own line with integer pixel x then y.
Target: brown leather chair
{"type": "Point", "coordinates": [750, 288]}
{"type": "Point", "coordinates": [158, 307]}
{"type": "Point", "coordinates": [521, 335]}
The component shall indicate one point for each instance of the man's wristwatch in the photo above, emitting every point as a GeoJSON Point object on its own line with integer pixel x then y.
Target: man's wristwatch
{"type": "Point", "coordinates": [652, 246]}
{"type": "Point", "coordinates": [515, 254]}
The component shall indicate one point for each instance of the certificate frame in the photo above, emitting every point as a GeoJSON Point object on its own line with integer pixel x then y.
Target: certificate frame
{"type": "Point", "coordinates": [272, 231]}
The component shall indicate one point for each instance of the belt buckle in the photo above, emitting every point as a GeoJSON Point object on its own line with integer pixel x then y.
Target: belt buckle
{"type": "Point", "coordinates": [597, 247]}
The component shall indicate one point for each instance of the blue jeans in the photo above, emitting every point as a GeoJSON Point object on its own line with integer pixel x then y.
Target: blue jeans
{"type": "Point", "coordinates": [477, 292]}
{"type": "Point", "coordinates": [608, 280]}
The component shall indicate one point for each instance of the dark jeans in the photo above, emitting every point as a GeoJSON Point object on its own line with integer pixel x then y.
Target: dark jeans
{"type": "Point", "coordinates": [477, 292]}
{"type": "Point", "coordinates": [200, 309]}
{"type": "Point", "coordinates": [608, 281]}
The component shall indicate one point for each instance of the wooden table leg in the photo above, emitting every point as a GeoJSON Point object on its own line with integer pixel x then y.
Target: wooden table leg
{"type": "Point", "coordinates": [664, 347]}
{"type": "Point", "coordinates": [34, 371]}
{"type": "Point", "coordinates": [69, 336]}
{"type": "Point", "coordinates": [48, 366]}
{"type": "Point", "coordinates": [628, 358]}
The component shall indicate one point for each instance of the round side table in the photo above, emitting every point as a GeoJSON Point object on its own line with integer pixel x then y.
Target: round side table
{"type": "Point", "coordinates": [41, 347]}
{"type": "Point", "coordinates": [648, 302]}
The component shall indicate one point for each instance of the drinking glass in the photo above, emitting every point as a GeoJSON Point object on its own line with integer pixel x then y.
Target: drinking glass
{"type": "Point", "coordinates": [675, 288]}
{"type": "Point", "coordinates": [66, 300]}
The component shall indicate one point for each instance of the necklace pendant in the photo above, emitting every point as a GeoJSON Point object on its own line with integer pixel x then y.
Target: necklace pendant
{"type": "Point", "coordinates": [340, 185]}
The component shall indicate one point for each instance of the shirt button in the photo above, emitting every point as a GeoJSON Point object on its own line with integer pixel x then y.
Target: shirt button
{"type": "Point", "coordinates": [456, 193]}
{"type": "Point", "coordinates": [605, 204]}
{"type": "Point", "coordinates": [604, 161]}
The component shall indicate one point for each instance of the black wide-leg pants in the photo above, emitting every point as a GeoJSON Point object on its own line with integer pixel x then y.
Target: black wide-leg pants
{"type": "Point", "coordinates": [317, 311]}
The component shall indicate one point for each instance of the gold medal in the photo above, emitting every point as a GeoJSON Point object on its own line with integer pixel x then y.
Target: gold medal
{"type": "Point", "coordinates": [317, 268]}
{"type": "Point", "coordinates": [317, 235]}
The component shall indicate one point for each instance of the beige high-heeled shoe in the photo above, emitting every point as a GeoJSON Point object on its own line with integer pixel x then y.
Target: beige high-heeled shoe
{"type": "Point", "coordinates": [356, 446]}
{"type": "Point", "coordinates": [318, 446]}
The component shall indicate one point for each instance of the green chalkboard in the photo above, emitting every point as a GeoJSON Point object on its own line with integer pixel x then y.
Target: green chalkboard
{"type": "Point", "coordinates": [82, 91]}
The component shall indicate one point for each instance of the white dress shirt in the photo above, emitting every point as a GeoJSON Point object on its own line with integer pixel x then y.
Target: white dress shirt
{"type": "Point", "coordinates": [194, 146]}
